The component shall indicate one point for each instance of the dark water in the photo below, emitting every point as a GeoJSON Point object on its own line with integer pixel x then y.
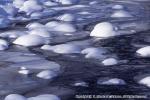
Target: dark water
{"type": "Point", "coordinates": [76, 68]}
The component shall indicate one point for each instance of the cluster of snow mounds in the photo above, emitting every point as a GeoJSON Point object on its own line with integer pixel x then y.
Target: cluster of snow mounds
{"type": "Point", "coordinates": [39, 97]}
{"type": "Point", "coordinates": [104, 30]}
{"type": "Point", "coordinates": [144, 52]}
{"type": "Point", "coordinates": [3, 44]}
{"type": "Point", "coordinates": [63, 48]}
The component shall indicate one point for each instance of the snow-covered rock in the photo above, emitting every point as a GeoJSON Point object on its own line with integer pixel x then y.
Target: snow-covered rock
{"type": "Point", "coordinates": [96, 53]}
{"type": "Point", "coordinates": [34, 25]}
{"type": "Point", "coordinates": [45, 97]}
{"type": "Point", "coordinates": [41, 32]}
{"type": "Point", "coordinates": [31, 6]}
{"type": "Point", "coordinates": [104, 30]}
{"type": "Point", "coordinates": [68, 2]}
{"type": "Point", "coordinates": [145, 81]}
{"type": "Point", "coordinates": [110, 61]}
{"type": "Point", "coordinates": [118, 7]}
{"type": "Point", "coordinates": [63, 48]}
{"type": "Point", "coordinates": [15, 97]}
{"type": "Point", "coordinates": [67, 17]}
{"type": "Point", "coordinates": [120, 14]}
{"type": "Point", "coordinates": [47, 74]}
{"type": "Point", "coordinates": [113, 81]}
{"type": "Point", "coordinates": [144, 52]}
{"type": "Point", "coordinates": [30, 40]}
{"type": "Point", "coordinates": [3, 44]}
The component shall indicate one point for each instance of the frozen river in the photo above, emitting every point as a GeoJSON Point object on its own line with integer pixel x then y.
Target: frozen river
{"type": "Point", "coordinates": [77, 73]}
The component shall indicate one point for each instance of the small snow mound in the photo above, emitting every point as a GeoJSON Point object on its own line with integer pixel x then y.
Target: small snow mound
{"type": "Point", "coordinates": [67, 17]}
{"type": "Point", "coordinates": [118, 7]}
{"type": "Point", "coordinates": [145, 81]}
{"type": "Point", "coordinates": [45, 97]}
{"type": "Point", "coordinates": [24, 71]}
{"type": "Point", "coordinates": [63, 48]}
{"type": "Point", "coordinates": [52, 24]}
{"type": "Point", "coordinates": [15, 97]}
{"type": "Point", "coordinates": [144, 52]}
{"type": "Point", "coordinates": [68, 2]}
{"type": "Point", "coordinates": [113, 81]}
{"type": "Point", "coordinates": [120, 14]}
{"type": "Point", "coordinates": [41, 32]}
{"type": "Point", "coordinates": [34, 25]}
{"type": "Point", "coordinates": [96, 53]}
{"type": "Point", "coordinates": [3, 44]}
{"type": "Point", "coordinates": [47, 74]}
{"type": "Point", "coordinates": [110, 61]}
{"type": "Point", "coordinates": [104, 29]}
{"type": "Point", "coordinates": [31, 6]}
{"type": "Point", "coordinates": [30, 40]}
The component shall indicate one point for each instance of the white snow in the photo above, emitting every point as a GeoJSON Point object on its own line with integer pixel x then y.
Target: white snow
{"type": "Point", "coordinates": [31, 6]}
{"type": "Point", "coordinates": [113, 81]}
{"type": "Point", "coordinates": [104, 30]}
{"type": "Point", "coordinates": [120, 14]}
{"type": "Point", "coordinates": [67, 17]}
{"type": "Point", "coordinates": [118, 7]}
{"type": "Point", "coordinates": [24, 71]}
{"type": "Point", "coordinates": [47, 74]}
{"type": "Point", "coordinates": [45, 97]}
{"type": "Point", "coordinates": [41, 32]}
{"type": "Point", "coordinates": [52, 24]}
{"type": "Point", "coordinates": [144, 52]}
{"type": "Point", "coordinates": [63, 48]}
{"type": "Point", "coordinates": [34, 25]}
{"type": "Point", "coordinates": [145, 81]}
{"type": "Point", "coordinates": [110, 61]}
{"type": "Point", "coordinates": [18, 3]}
{"type": "Point", "coordinates": [15, 97]}
{"type": "Point", "coordinates": [30, 40]}
{"type": "Point", "coordinates": [68, 2]}
{"type": "Point", "coordinates": [96, 53]}
{"type": "Point", "coordinates": [3, 44]}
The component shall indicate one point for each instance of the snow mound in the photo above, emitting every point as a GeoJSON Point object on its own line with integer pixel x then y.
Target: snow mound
{"type": "Point", "coordinates": [30, 40]}
{"type": "Point", "coordinates": [47, 74]}
{"type": "Point", "coordinates": [68, 2]}
{"type": "Point", "coordinates": [113, 81]}
{"type": "Point", "coordinates": [118, 7]}
{"type": "Point", "coordinates": [63, 48]}
{"type": "Point", "coordinates": [110, 61]}
{"type": "Point", "coordinates": [45, 97]}
{"type": "Point", "coordinates": [121, 14]}
{"type": "Point", "coordinates": [104, 30]}
{"type": "Point", "coordinates": [144, 52]}
{"type": "Point", "coordinates": [96, 53]}
{"type": "Point", "coordinates": [67, 17]}
{"type": "Point", "coordinates": [145, 81]}
{"type": "Point", "coordinates": [34, 25]}
{"type": "Point", "coordinates": [41, 32]}
{"type": "Point", "coordinates": [3, 44]}
{"type": "Point", "coordinates": [15, 97]}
